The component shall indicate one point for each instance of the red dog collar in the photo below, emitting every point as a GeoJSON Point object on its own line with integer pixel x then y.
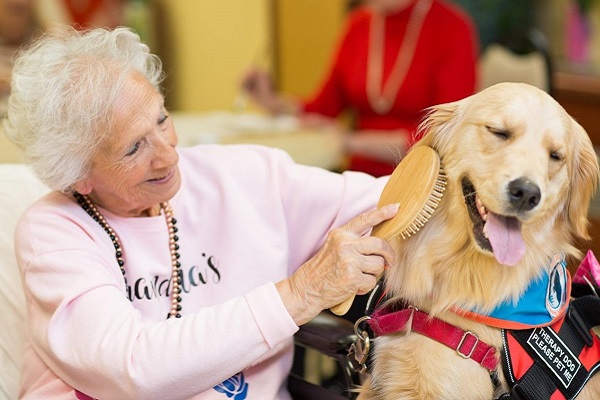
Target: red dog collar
{"type": "Point", "coordinates": [384, 321]}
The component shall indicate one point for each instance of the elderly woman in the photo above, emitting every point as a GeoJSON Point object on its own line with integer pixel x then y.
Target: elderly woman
{"type": "Point", "coordinates": [154, 272]}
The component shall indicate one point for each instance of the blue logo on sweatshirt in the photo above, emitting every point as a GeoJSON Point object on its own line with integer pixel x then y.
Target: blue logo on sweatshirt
{"type": "Point", "coordinates": [235, 387]}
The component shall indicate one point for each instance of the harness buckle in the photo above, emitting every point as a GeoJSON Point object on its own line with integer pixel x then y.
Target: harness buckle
{"type": "Point", "coordinates": [462, 342]}
{"type": "Point", "coordinates": [359, 350]}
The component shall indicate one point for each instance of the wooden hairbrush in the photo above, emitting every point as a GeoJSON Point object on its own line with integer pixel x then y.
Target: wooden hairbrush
{"type": "Point", "coordinates": [417, 184]}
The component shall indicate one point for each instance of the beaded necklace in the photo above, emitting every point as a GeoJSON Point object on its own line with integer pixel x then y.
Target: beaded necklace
{"type": "Point", "coordinates": [381, 96]}
{"type": "Point", "coordinates": [167, 211]}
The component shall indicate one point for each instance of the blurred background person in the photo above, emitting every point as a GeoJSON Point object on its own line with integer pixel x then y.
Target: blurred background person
{"type": "Point", "coordinates": [394, 59]}
{"type": "Point", "coordinates": [82, 14]}
{"type": "Point", "coordinates": [17, 24]}
{"type": "Point", "coordinates": [20, 20]}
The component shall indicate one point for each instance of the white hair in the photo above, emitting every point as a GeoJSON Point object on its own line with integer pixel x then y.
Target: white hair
{"type": "Point", "coordinates": [63, 90]}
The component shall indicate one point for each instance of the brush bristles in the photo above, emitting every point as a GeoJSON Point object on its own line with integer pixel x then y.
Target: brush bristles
{"type": "Point", "coordinates": [430, 206]}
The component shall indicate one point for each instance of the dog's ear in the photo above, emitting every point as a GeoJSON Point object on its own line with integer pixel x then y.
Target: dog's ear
{"type": "Point", "coordinates": [585, 176]}
{"type": "Point", "coordinates": [439, 123]}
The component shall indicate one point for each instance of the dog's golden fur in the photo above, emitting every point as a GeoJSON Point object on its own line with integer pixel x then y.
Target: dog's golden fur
{"type": "Point", "coordinates": [507, 132]}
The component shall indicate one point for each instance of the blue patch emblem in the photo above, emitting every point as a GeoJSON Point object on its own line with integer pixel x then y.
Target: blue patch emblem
{"type": "Point", "coordinates": [235, 388]}
{"type": "Point", "coordinates": [556, 292]}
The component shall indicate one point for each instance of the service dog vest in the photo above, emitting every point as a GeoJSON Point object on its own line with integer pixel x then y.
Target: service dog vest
{"type": "Point", "coordinates": [554, 362]}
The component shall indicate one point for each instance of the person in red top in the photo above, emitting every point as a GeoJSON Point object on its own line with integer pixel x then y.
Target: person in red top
{"type": "Point", "coordinates": [395, 58]}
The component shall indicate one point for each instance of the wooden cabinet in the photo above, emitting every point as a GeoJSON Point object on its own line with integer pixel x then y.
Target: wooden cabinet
{"type": "Point", "coordinates": [580, 96]}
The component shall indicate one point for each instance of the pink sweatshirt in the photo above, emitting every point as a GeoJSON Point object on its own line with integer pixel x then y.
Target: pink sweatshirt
{"type": "Point", "coordinates": [247, 218]}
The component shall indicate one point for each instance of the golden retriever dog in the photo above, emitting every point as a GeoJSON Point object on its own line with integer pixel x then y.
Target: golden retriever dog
{"type": "Point", "coordinates": [520, 177]}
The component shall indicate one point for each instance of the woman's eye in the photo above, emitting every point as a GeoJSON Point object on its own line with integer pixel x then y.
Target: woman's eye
{"type": "Point", "coordinates": [133, 149]}
{"type": "Point", "coordinates": [163, 118]}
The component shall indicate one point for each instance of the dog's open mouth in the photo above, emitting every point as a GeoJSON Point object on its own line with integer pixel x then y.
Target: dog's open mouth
{"type": "Point", "coordinates": [498, 234]}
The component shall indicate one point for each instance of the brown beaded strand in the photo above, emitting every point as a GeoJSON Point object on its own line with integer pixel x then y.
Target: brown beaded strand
{"type": "Point", "coordinates": [176, 265]}
{"type": "Point", "coordinates": [167, 211]}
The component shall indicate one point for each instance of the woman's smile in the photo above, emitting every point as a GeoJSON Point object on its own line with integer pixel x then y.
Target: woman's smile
{"type": "Point", "coordinates": [162, 179]}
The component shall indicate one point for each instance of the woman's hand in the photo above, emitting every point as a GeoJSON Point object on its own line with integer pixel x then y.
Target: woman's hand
{"type": "Point", "coordinates": [259, 85]}
{"type": "Point", "coordinates": [348, 263]}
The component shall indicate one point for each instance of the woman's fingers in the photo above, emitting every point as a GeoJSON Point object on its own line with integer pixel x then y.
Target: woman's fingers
{"type": "Point", "coordinates": [367, 284]}
{"type": "Point", "coordinates": [366, 221]}
{"type": "Point", "coordinates": [357, 253]}
{"type": "Point", "coordinates": [374, 248]}
{"type": "Point", "coordinates": [373, 265]}
{"type": "Point", "coordinates": [258, 84]}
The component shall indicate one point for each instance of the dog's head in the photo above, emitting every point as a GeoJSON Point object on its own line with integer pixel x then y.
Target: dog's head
{"type": "Point", "coordinates": [526, 169]}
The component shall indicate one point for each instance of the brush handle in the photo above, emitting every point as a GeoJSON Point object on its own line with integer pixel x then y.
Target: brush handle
{"type": "Point", "coordinates": [342, 308]}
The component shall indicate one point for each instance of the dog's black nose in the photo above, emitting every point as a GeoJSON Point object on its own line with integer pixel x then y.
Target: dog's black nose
{"type": "Point", "coordinates": [524, 194]}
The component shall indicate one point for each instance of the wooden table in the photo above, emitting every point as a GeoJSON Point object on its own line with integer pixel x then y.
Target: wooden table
{"type": "Point", "coordinates": [321, 148]}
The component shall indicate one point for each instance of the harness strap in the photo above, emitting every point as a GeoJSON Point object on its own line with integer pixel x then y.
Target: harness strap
{"type": "Point", "coordinates": [585, 313]}
{"type": "Point", "coordinates": [466, 344]}
{"type": "Point", "coordinates": [535, 384]}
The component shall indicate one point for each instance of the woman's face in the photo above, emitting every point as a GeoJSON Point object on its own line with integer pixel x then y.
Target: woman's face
{"type": "Point", "coordinates": [135, 168]}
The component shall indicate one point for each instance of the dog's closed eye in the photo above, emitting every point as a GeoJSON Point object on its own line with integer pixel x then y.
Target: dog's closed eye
{"type": "Point", "coordinates": [556, 156]}
{"type": "Point", "coordinates": [499, 132]}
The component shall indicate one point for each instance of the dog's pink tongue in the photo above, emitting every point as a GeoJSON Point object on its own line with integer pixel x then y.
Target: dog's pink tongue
{"type": "Point", "coordinates": [504, 233]}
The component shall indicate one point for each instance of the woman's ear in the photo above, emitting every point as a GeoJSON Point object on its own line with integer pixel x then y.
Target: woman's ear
{"type": "Point", "coordinates": [83, 186]}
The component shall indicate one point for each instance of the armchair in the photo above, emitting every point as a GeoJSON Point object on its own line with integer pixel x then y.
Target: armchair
{"type": "Point", "coordinates": [521, 57]}
{"type": "Point", "coordinates": [18, 189]}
